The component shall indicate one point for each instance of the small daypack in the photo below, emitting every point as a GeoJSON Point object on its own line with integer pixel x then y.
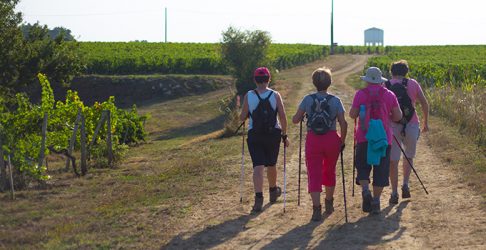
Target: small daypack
{"type": "Point", "coordinates": [264, 117]}
{"type": "Point", "coordinates": [375, 106]}
{"type": "Point", "coordinates": [320, 120]}
{"type": "Point", "coordinates": [400, 91]}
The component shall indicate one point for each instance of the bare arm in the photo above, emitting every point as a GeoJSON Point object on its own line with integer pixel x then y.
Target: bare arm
{"type": "Point", "coordinates": [299, 115]}
{"type": "Point", "coordinates": [425, 110]}
{"type": "Point", "coordinates": [282, 117]}
{"type": "Point", "coordinates": [353, 113]}
{"type": "Point", "coordinates": [244, 110]}
{"type": "Point", "coordinates": [343, 125]}
{"type": "Point", "coordinates": [396, 114]}
{"type": "Point", "coordinates": [281, 113]}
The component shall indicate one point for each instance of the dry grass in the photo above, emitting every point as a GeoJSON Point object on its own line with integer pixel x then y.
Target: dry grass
{"type": "Point", "coordinates": [138, 203]}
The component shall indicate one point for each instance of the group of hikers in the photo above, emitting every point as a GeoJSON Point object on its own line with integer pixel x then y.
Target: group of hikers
{"type": "Point", "coordinates": [384, 112]}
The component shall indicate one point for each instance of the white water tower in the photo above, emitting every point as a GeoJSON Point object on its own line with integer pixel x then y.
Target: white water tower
{"type": "Point", "coordinates": [373, 37]}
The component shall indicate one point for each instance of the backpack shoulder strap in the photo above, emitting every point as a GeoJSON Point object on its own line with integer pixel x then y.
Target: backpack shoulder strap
{"type": "Point", "coordinates": [258, 95]}
{"type": "Point", "coordinates": [269, 95]}
{"type": "Point", "coordinates": [405, 82]}
{"type": "Point", "coordinates": [328, 98]}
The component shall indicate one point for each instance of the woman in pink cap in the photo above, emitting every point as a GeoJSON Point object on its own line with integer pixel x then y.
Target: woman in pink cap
{"type": "Point", "coordinates": [267, 128]}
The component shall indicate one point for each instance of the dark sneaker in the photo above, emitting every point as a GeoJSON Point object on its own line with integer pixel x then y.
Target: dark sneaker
{"type": "Point", "coordinates": [366, 201]}
{"type": "Point", "coordinates": [257, 207]}
{"type": "Point", "coordinates": [375, 207]}
{"type": "Point", "coordinates": [393, 199]}
{"type": "Point", "coordinates": [329, 206]}
{"type": "Point", "coordinates": [406, 192]}
{"type": "Point", "coordinates": [275, 194]}
{"type": "Point", "coordinates": [316, 213]}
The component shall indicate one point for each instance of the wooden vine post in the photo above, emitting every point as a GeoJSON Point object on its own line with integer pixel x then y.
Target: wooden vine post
{"type": "Point", "coordinates": [43, 142]}
{"type": "Point", "coordinates": [72, 141]}
{"type": "Point", "coordinates": [84, 154]}
{"type": "Point", "coordinates": [12, 191]}
{"type": "Point", "coordinates": [3, 170]}
{"type": "Point", "coordinates": [108, 139]}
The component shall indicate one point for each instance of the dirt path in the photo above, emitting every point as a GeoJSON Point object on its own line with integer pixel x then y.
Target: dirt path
{"type": "Point", "coordinates": [449, 218]}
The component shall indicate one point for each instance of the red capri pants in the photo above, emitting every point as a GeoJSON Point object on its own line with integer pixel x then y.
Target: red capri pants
{"type": "Point", "coordinates": [321, 155]}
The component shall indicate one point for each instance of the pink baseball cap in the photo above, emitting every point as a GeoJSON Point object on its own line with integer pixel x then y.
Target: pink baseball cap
{"type": "Point", "coordinates": [262, 71]}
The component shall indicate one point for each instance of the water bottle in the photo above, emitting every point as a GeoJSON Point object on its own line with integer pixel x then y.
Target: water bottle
{"type": "Point", "coordinates": [362, 115]}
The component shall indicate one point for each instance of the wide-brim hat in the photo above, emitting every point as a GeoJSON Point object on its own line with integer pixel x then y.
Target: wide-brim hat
{"type": "Point", "coordinates": [373, 75]}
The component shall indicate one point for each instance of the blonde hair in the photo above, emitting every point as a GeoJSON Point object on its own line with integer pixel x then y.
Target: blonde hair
{"type": "Point", "coordinates": [322, 78]}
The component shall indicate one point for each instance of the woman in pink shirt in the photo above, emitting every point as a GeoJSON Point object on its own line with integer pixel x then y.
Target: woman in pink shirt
{"type": "Point", "coordinates": [406, 132]}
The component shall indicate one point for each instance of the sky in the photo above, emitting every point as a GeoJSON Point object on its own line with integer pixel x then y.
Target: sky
{"type": "Point", "coordinates": [405, 22]}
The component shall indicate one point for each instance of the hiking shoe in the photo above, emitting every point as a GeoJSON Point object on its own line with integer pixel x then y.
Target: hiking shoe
{"type": "Point", "coordinates": [375, 207]}
{"type": "Point", "coordinates": [406, 192]}
{"type": "Point", "coordinates": [393, 199]}
{"type": "Point", "coordinates": [366, 201]}
{"type": "Point", "coordinates": [275, 194]}
{"type": "Point", "coordinates": [257, 207]}
{"type": "Point", "coordinates": [316, 213]}
{"type": "Point", "coordinates": [329, 206]}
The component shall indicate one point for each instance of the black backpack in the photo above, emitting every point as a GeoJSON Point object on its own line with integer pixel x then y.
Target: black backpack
{"type": "Point", "coordinates": [264, 116]}
{"type": "Point", "coordinates": [400, 91]}
{"type": "Point", "coordinates": [320, 120]}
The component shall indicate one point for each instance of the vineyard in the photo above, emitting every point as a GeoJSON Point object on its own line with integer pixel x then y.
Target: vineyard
{"type": "Point", "coordinates": [31, 131]}
{"type": "Point", "coordinates": [454, 79]}
{"type": "Point", "coordinates": [121, 58]}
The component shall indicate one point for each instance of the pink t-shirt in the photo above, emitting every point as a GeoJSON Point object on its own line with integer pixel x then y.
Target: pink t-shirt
{"type": "Point", "coordinates": [413, 90]}
{"type": "Point", "coordinates": [389, 101]}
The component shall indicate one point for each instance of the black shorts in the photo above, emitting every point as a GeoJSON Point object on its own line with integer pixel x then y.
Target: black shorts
{"type": "Point", "coordinates": [264, 148]}
{"type": "Point", "coordinates": [381, 173]}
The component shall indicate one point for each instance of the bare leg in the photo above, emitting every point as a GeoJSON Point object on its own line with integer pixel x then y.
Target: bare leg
{"type": "Point", "coordinates": [258, 178]}
{"type": "Point", "coordinates": [394, 176]}
{"type": "Point", "coordinates": [406, 171]}
{"type": "Point", "coordinates": [316, 198]}
{"type": "Point", "coordinates": [329, 193]}
{"type": "Point", "coordinates": [377, 191]}
{"type": "Point", "coordinates": [272, 176]}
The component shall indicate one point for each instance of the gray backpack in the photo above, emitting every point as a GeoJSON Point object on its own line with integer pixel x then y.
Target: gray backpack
{"type": "Point", "coordinates": [320, 120]}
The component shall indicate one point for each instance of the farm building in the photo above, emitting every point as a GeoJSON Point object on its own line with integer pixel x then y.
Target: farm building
{"type": "Point", "coordinates": [373, 37]}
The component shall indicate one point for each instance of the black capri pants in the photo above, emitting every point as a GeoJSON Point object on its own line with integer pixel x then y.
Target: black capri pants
{"type": "Point", "coordinates": [381, 172]}
{"type": "Point", "coordinates": [264, 148]}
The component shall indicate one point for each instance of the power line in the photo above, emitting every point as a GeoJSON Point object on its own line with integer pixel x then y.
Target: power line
{"type": "Point", "coordinates": [90, 14]}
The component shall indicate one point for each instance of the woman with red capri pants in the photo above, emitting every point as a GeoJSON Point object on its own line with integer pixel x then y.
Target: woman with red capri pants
{"type": "Point", "coordinates": [322, 149]}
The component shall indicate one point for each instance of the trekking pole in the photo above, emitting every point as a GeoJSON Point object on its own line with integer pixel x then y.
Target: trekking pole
{"type": "Point", "coordinates": [409, 163]}
{"type": "Point", "coordinates": [242, 178]}
{"type": "Point", "coordinates": [354, 155]}
{"type": "Point", "coordinates": [285, 176]}
{"type": "Point", "coordinates": [241, 125]}
{"type": "Point", "coordinates": [344, 188]}
{"type": "Point", "coordinates": [300, 161]}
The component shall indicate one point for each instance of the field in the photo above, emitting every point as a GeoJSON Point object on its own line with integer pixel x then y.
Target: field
{"type": "Point", "coordinates": [182, 58]}
{"type": "Point", "coordinates": [122, 58]}
{"type": "Point", "coordinates": [454, 78]}
{"type": "Point", "coordinates": [180, 188]}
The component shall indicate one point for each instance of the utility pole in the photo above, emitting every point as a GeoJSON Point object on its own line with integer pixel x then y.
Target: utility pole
{"type": "Point", "coordinates": [166, 24]}
{"type": "Point", "coordinates": [332, 27]}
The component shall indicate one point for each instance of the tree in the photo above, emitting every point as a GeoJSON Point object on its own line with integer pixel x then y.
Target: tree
{"type": "Point", "coordinates": [53, 34]}
{"type": "Point", "coordinates": [23, 57]}
{"type": "Point", "coordinates": [244, 51]}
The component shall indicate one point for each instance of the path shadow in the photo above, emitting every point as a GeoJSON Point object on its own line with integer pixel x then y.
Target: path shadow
{"type": "Point", "coordinates": [202, 128]}
{"type": "Point", "coordinates": [212, 236]}
{"type": "Point", "coordinates": [367, 231]}
{"type": "Point", "coordinates": [297, 238]}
